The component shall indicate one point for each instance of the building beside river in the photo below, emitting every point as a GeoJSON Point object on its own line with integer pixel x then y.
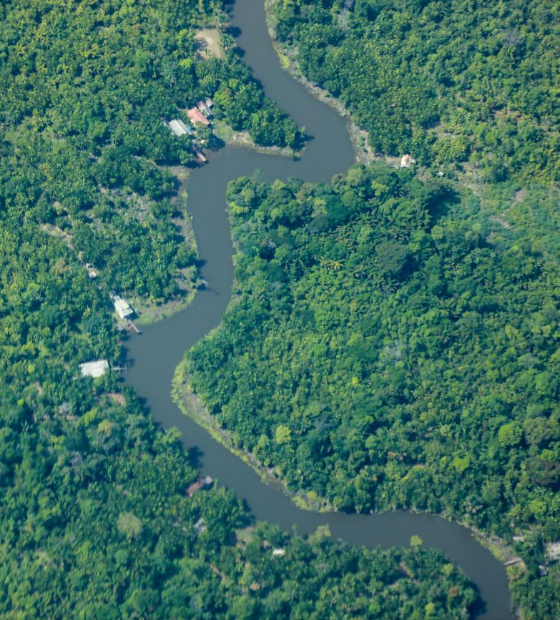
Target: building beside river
{"type": "Point", "coordinates": [196, 116]}
{"type": "Point", "coordinates": [94, 369]}
{"type": "Point", "coordinates": [122, 307]}
{"type": "Point", "coordinates": [201, 483]}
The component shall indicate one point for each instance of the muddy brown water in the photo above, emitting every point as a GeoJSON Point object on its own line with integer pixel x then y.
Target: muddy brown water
{"type": "Point", "coordinates": [154, 356]}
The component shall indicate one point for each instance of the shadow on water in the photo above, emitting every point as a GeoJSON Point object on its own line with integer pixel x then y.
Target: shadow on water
{"type": "Point", "coordinates": [159, 350]}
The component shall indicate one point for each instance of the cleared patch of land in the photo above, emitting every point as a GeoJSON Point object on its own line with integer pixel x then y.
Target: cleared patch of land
{"type": "Point", "coordinates": [210, 43]}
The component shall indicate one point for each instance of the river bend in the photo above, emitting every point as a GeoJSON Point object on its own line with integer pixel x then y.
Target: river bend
{"type": "Point", "coordinates": [155, 355]}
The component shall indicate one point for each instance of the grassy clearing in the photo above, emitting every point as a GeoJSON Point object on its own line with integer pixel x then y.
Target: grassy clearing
{"type": "Point", "coordinates": [210, 41]}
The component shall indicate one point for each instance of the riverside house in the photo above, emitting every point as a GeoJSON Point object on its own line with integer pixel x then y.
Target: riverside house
{"type": "Point", "coordinates": [196, 116]}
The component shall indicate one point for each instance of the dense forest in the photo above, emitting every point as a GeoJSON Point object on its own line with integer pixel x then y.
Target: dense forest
{"type": "Point", "coordinates": [95, 521]}
{"type": "Point", "coordinates": [95, 518]}
{"type": "Point", "coordinates": [465, 82]}
{"type": "Point", "coordinates": [86, 89]}
{"type": "Point", "coordinates": [392, 345]}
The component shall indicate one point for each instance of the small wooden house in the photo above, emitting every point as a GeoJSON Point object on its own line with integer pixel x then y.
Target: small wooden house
{"type": "Point", "coordinates": [196, 116]}
{"type": "Point", "coordinates": [201, 483]}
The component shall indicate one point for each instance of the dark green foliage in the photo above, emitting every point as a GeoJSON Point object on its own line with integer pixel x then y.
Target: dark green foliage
{"type": "Point", "coordinates": [449, 82]}
{"type": "Point", "coordinates": [85, 90]}
{"type": "Point", "coordinates": [95, 521]}
{"type": "Point", "coordinates": [401, 351]}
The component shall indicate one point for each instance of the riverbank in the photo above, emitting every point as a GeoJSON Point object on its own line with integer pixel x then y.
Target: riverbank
{"type": "Point", "coordinates": [242, 138]}
{"type": "Point", "coordinates": [150, 312]}
{"type": "Point", "coordinates": [157, 355]}
{"type": "Point", "coordinates": [191, 405]}
{"type": "Point", "coordinates": [364, 153]}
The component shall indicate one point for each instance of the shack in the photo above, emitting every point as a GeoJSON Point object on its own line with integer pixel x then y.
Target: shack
{"type": "Point", "coordinates": [94, 369]}
{"type": "Point", "coordinates": [122, 308]}
{"type": "Point", "coordinates": [179, 128]}
{"type": "Point", "coordinates": [201, 483]}
{"type": "Point", "coordinates": [196, 116]}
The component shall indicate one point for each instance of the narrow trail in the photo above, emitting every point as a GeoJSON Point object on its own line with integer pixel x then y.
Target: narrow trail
{"type": "Point", "coordinates": [154, 356]}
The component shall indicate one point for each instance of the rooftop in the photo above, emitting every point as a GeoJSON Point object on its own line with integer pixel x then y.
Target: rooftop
{"type": "Point", "coordinates": [196, 116]}
{"type": "Point", "coordinates": [178, 127]}
{"type": "Point", "coordinates": [94, 369]}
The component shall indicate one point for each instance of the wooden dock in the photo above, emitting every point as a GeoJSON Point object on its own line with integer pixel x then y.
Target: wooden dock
{"type": "Point", "coordinates": [134, 327]}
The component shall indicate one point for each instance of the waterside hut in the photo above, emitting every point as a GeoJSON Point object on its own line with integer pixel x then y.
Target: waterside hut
{"type": "Point", "coordinates": [196, 116]}
{"type": "Point", "coordinates": [94, 369]}
{"type": "Point", "coordinates": [122, 307]}
{"type": "Point", "coordinates": [201, 483]}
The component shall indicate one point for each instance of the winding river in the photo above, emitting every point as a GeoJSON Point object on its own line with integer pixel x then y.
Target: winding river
{"type": "Point", "coordinates": [155, 355]}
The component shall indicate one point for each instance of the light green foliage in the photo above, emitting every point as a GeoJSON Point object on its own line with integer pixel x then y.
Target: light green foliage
{"type": "Point", "coordinates": [283, 434]}
{"type": "Point", "coordinates": [408, 341]}
{"type": "Point", "coordinates": [129, 525]}
{"type": "Point", "coordinates": [85, 89]}
{"type": "Point", "coordinates": [95, 521]}
{"type": "Point", "coordinates": [449, 82]}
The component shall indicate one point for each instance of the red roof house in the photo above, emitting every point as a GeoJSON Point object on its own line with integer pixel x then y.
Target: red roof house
{"type": "Point", "coordinates": [196, 116]}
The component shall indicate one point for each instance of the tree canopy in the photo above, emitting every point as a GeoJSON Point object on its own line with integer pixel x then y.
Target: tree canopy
{"type": "Point", "coordinates": [462, 83]}
{"type": "Point", "coordinates": [393, 346]}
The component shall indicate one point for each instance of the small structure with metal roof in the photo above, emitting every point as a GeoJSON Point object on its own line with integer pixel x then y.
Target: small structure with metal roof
{"type": "Point", "coordinates": [178, 127]}
{"type": "Point", "coordinates": [94, 369]}
{"type": "Point", "coordinates": [122, 307]}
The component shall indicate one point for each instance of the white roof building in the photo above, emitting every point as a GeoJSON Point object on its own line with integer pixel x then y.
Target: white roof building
{"type": "Point", "coordinates": [122, 307]}
{"type": "Point", "coordinates": [94, 369]}
{"type": "Point", "coordinates": [178, 127]}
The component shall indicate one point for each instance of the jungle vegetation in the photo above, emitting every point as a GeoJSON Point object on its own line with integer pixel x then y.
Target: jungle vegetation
{"type": "Point", "coordinates": [95, 520]}
{"type": "Point", "coordinates": [393, 345]}
{"type": "Point", "coordinates": [86, 89]}
{"type": "Point", "coordinates": [466, 83]}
